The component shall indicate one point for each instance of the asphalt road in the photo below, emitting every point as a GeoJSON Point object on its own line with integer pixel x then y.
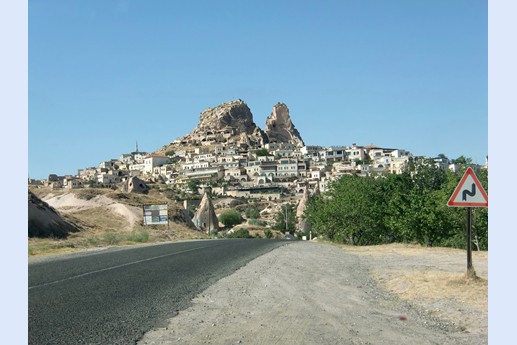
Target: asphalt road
{"type": "Point", "coordinates": [114, 296]}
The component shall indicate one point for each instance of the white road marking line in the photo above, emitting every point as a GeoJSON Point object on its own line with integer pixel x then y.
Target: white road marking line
{"type": "Point", "coordinates": [115, 267]}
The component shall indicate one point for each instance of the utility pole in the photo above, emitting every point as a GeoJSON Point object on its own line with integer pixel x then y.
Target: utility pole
{"type": "Point", "coordinates": [286, 227]}
{"type": "Point", "coordinates": [209, 213]}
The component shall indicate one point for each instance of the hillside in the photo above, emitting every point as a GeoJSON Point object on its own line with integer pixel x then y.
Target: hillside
{"type": "Point", "coordinates": [45, 221]}
{"type": "Point", "coordinates": [104, 217]}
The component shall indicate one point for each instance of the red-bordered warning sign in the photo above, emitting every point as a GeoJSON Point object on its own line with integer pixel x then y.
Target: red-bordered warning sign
{"type": "Point", "coordinates": [469, 192]}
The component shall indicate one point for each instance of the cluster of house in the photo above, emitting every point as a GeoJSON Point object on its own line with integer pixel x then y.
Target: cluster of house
{"type": "Point", "coordinates": [264, 172]}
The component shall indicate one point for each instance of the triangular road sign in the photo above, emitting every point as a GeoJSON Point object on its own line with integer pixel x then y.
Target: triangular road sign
{"type": "Point", "coordinates": [469, 192]}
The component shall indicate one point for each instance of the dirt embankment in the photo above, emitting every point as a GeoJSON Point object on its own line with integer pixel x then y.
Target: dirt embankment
{"type": "Point", "coordinates": [105, 218]}
{"type": "Point", "coordinates": [314, 293]}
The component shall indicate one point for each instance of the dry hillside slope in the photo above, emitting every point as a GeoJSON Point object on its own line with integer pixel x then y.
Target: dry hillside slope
{"type": "Point", "coordinates": [104, 217]}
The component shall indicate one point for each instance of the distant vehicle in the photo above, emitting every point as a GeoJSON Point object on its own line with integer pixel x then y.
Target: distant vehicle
{"type": "Point", "coordinates": [288, 237]}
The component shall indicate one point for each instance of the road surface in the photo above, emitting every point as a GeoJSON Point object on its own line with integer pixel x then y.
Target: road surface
{"type": "Point", "coordinates": [114, 296]}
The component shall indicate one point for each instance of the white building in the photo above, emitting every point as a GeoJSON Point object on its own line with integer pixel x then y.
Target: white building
{"type": "Point", "coordinates": [108, 180]}
{"type": "Point", "coordinates": [154, 160]}
{"type": "Point", "coordinates": [356, 153]}
{"type": "Point", "coordinates": [287, 167]}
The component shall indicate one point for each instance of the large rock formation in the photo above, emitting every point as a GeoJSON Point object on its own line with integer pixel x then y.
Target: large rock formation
{"type": "Point", "coordinates": [134, 185]}
{"type": "Point", "coordinates": [45, 221]}
{"type": "Point", "coordinates": [230, 122]}
{"type": "Point", "coordinates": [280, 128]}
{"type": "Point", "coordinates": [205, 218]}
{"type": "Point", "coordinates": [303, 226]}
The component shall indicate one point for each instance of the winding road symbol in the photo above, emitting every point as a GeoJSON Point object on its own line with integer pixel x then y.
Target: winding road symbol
{"type": "Point", "coordinates": [469, 192]}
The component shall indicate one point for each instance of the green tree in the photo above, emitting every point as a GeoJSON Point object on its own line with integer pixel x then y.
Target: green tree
{"type": "Point", "coordinates": [193, 185]}
{"type": "Point", "coordinates": [463, 160]}
{"type": "Point", "coordinates": [230, 218]}
{"type": "Point", "coordinates": [427, 215]}
{"type": "Point", "coordinates": [350, 212]}
{"type": "Point", "coordinates": [262, 152]}
{"type": "Point", "coordinates": [280, 221]}
{"type": "Point", "coordinates": [396, 189]}
{"type": "Point", "coordinates": [397, 208]}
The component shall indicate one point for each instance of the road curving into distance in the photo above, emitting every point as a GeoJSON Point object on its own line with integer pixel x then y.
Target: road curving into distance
{"type": "Point", "coordinates": [114, 296]}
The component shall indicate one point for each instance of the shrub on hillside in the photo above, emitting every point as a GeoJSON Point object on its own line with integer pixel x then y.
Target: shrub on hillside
{"type": "Point", "coordinates": [252, 213]}
{"type": "Point", "coordinates": [230, 218]}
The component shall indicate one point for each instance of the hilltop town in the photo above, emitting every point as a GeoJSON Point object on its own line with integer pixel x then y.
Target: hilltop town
{"type": "Point", "coordinates": [228, 153]}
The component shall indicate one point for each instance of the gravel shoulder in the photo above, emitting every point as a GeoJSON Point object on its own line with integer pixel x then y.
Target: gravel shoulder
{"type": "Point", "coordinates": [318, 293]}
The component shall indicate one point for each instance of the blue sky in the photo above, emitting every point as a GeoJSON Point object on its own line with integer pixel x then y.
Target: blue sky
{"type": "Point", "coordinates": [401, 74]}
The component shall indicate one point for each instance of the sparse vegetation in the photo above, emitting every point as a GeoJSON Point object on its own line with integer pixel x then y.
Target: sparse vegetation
{"type": "Point", "coordinates": [100, 226]}
{"type": "Point", "coordinates": [252, 213]}
{"type": "Point", "coordinates": [241, 233]}
{"type": "Point", "coordinates": [257, 222]}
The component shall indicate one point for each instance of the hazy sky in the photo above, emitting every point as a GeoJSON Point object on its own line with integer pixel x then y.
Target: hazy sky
{"type": "Point", "coordinates": [399, 74]}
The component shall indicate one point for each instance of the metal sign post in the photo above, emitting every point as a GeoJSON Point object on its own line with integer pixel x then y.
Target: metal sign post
{"type": "Point", "coordinates": [469, 193]}
{"type": "Point", "coordinates": [469, 240]}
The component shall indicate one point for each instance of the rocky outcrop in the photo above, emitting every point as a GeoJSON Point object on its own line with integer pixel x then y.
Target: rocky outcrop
{"type": "Point", "coordinates": [303, 226]}
{"type": "Point", "coordinates": [230, 122]}
{"type": "Point", "coordinates": [45, 221]}
{"type": "Point", "coordinates": [280, 127]}
{"type": "Point", "coordinates": [180, 215]}
{"type": "Point", "coordinates": [205, 218]}
{"type": "Point", "coordinates": [134, 185]}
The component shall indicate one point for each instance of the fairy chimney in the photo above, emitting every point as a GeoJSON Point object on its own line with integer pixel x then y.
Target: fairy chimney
{"type": "Point", "coordinates": [205, 218]}
{"type": "Point", "coordinates": [302, 224]}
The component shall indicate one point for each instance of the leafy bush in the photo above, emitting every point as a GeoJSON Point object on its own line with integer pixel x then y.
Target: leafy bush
{"type": "Point", "coordinates": [268, 233]}
{"type": "Point", "coordinates": [230, 218]}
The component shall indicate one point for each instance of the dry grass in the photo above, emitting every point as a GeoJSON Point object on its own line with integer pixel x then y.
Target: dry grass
{"type": "Point", "coordinates": [101, 226]}
{"type": "Point", "coordinates": [434, 279]}
{"type": "Point", "coordinates": [95, 237]}
{"type": "Point", "coordinates": [433, 285]}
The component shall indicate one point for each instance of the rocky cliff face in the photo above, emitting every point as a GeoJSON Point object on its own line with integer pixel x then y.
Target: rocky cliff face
{"type": "Point", "coordinates": [45, 221]}
{"type": "Point", "coordinates": [280, 128]}
{"type": "Point", "coordinates": [230, 122]}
